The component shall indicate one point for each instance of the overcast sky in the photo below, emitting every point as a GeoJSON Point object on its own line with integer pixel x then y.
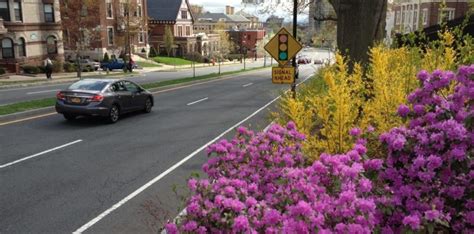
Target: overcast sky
{"type": "Point", "coordinates": [218, 6]}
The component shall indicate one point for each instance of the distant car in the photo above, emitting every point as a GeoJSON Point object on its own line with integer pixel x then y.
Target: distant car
{"type": "Point", "coordinates": [104, 98]}
{"type": "Point", "coordinates": [113, 64]}
{"type": "Point", "coordinates": [318, 61]}
{"type": "Point", "coordinates": [89, 65]}
{"type": "Point", "coordinates": [304, 60]}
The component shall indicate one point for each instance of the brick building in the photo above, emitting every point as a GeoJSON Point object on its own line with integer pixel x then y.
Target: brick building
{"type": "Point", "coordinates": [176, 15]}
{"type": "Point", "coordinates": [106, 26]}
{"type": "Point", "coordinates": [245, 41]}
{"type": "Point", "coordinates": [412, 15]}
{"type": "Point", "coordinates": [30, 31]}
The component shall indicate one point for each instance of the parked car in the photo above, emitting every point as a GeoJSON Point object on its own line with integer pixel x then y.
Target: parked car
{"type": "Point", "coordinates": [105, 98]}
{"type": "Point", "coordinates": [89, 65]}
{"type": "Point", "coordinates": [116, 64]}
{"type": "Point", "coordinates": [318, 61]}
{"type": "Point", "coordinates": [113, 64]}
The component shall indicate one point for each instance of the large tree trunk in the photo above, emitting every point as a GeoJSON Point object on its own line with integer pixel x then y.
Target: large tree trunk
{"type": "Point", "coordinates": [360, 24]}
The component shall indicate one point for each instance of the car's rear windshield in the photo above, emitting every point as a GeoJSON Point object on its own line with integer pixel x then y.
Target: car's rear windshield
{"type": "Point", "coordinates": [92, 85]}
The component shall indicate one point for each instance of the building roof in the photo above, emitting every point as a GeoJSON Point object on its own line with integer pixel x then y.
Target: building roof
{"type": "Point", "coordinates": [245, 14]}
{"type": "Point", "coordinates": [213, 16]}
{"type": "Point", "coordinates": [238, 18]}
{"type": "Point", "coordinates": [165, 10]}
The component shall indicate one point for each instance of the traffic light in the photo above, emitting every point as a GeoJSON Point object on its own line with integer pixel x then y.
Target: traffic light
{"type": "Point", "coordinates": [283, 47]}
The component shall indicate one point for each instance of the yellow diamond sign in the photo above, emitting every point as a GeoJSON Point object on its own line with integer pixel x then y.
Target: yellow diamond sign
{"type": "Point", "coordinates": [283, 47]}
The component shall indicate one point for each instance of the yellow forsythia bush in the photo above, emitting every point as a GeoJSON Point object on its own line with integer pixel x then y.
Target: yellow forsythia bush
{"type": "Point", "coordinates": [336, 100]}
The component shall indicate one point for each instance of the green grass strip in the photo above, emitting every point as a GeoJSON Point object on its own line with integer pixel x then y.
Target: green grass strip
{"type": "Point", "coordinates": [47, 102]}
{"type": "Point", "coordinates": [147, 64]}
{"type": "Point", "coordinates": [172, 60]}
{"type": "Point", "coordinates": [26, 105]}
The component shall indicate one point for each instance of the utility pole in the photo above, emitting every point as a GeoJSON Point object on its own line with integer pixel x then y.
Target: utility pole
{"type": "Point", "coordinates": [295, 15]}
{"type": "Point", "coordinates": [129, 47]}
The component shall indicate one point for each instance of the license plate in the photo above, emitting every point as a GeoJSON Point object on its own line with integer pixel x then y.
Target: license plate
{"type": "Point", "coordinates": [75, 100]}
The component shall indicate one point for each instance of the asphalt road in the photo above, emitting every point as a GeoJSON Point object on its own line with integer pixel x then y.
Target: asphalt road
{"type": "Point", "coordinates": [13, 95]}
{"type": "Point", "coordinates": [8, 96]}
{"type": "Point", "coordinates": [74, 171]}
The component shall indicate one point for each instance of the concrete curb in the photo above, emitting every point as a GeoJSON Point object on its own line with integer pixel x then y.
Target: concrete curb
{"type": "Point", "coordinates": [47, 110]}
{"type": "Point", "coordinates": [64, 80]}
{"type": "Point", "coordinates": [26, 114]}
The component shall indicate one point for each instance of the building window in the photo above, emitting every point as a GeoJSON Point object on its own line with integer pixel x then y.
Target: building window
{"type": "Point", "coordinates": [398, 17]}
{"type": "Point", "coordinates": [188, 31]}
{"type": "Point", "coordinates": [124, 8]}
{"type": "Point", "coordinates": [184, 14]}
{"type": "Point", "coordinates": [21, 47]}
{"type": "Point", "coordinates": [110, 35]}
{"type": "Point", "coordinates": [48, 13]}
{"type": "Point", "coordinates": [141, 37]}
{"type": "Point", "coordinates": [424, 16]}
{"type": "Point", "coordinates": [7, 48]}
{"type": "Point", "coordinates": [139, 10]}
{"type": "Point", "coordinates": [17, 9]}
{"type": "Point", "coordinates": [51, 45]}
{"type": "Point", "coordinates": [4, 10]}
{"type": "Point", "coordinates": [446, 15]}
{"type": "Point", "coordinates": [109, 10]}
{"type": "Point", "coordinates": [180, 31]}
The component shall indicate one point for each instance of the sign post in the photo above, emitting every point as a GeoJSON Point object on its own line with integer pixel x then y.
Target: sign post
{"type": "Point", "coordinates": [283, 47]}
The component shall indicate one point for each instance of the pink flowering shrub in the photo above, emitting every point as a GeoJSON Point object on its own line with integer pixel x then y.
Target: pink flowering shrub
{"type": "Point", "coordinates": [261, 183]}
{"type": "Point", "coordinates": [429, 163]}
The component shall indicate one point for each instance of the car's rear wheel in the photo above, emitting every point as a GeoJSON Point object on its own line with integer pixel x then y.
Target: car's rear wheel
{"type": "Point", "coordinates": [114, 114]}
{"type": "Point", "coordinates": [69, 117]}
{"type": "Point", "coordinates": [148, 105]}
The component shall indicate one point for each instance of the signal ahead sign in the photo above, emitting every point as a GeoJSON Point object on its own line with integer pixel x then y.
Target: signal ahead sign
{"type": "Point", "coordinates": [283, 47]}
{"type": "Point", "coordinates": [283, 75]}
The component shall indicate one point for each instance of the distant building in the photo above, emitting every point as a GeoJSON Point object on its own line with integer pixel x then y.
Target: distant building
{"type": "Point", "coordinates": [246, 41]}
{"type": "Point", "coordinates": [106, 25]}
{"type": "Point", "coordinates": [207, 22]}
{"type": "Point", "coordinates": [412, 15]}
{"type": "Point", "coordinates": [177, 15]}
{"type": "Point", "coordinates": [30, 31]}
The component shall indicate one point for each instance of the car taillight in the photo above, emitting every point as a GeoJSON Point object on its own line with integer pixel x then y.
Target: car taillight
{"type": "Point", "coordinates": [60, 96]}
{"type": "Point", "coordinates": [97, 98]}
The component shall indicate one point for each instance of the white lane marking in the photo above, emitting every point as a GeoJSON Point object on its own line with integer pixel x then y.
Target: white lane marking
{"type": "Point", "coordinates": [39, 154]}
{"type": "Point", "coordinates": [169, 170]}
{"type": "Point", "coordinates": [45, 91]}
{"type": "Point", "coordinates": [117, 205]}
{"type": "Point", "coordinates": [268, 126]}
{"type": "Point", "coordinates": [246, 85]}
{"type": "Point", "coordinates": [200, 100]}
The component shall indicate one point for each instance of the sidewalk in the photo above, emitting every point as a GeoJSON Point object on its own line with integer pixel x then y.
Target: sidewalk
{"type": "Point", "coordinates": [13, 81]}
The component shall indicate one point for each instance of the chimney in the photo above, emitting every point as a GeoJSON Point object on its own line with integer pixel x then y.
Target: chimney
{"type": "Point", "coordinates": [231, 10]}
{"type": "Point", "coordinates": [227, 10]}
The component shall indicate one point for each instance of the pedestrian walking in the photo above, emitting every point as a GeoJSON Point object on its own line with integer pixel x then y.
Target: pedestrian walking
{"type": "Point", "coordinates": [48, 67]}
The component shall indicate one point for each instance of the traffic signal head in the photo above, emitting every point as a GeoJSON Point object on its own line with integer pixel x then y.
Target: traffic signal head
{"type": "Point", "coordinates": [283, 47]}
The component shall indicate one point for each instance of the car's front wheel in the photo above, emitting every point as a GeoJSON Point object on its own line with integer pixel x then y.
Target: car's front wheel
{"type": "Point", "coordinates": [69, 117]}
{"type": "Point", "coordinates": [148, 105]}
{"type": "Point", "coordinates": [114, 114]}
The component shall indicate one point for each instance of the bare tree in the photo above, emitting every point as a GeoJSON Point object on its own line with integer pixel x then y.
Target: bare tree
{"type": "Point", "coordinates": [360, 23]}
{"type": "Point", "coordinates": [225, 43]}
{"type": "Point", "coordinates": [169, 40]}
{"type": "Point", "coordinates": [131, 23]}
{"type": "Point", "coordinates": [81, 31]}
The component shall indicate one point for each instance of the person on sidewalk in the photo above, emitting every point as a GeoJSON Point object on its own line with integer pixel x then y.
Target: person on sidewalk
{"type": "Point", "coordinates": [48, 67]}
